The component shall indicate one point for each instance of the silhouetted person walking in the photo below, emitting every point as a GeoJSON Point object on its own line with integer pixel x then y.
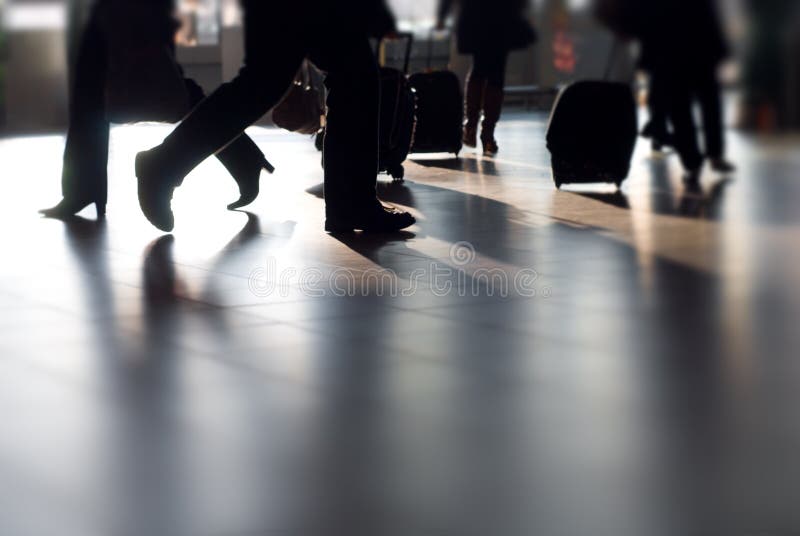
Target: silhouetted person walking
{"type": "Point", "coordinates": [84, 176]}
{"type": "Point", "coordinates": [657, 129]}
{"type": "Point", "coordinates": [684, 44]}
{"type": "Point", "coordinates": [488, 30]}
{"type": "Point", "coordinates": [278, 36]}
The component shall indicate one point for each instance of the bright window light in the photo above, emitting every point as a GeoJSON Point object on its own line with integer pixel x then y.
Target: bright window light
{"type": "Point", "coordinates": [35, 16]}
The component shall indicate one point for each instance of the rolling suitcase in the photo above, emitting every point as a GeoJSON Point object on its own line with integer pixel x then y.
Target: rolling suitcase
{"type": "Point", "coordinates": [593, 132]}
{"type": "Point", "coordinates": [397, 115]}
{"type": "Point", "coordinates": [440, 112]}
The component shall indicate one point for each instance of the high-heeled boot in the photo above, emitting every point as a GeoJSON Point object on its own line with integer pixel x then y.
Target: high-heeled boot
{"type": "Point", "coordinates": [244, 161]}
{"type": "Point", "coordinates": [492, 108]}
{"type": "Point", "coordinates": [242, 157]}
{"type": "Point", "coordinates": [473, 101]}
{"type": "Point", "coordinates": [84, 178]}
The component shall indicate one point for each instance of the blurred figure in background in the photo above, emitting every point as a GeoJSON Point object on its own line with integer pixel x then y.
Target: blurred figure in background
{"type": "Point", "coordinates": [766, 79]}
{"type": "Point", "coordinates": [278, 37]}
{"type": "Point", "coordinates": [118, 31]}
{"type": "Point", "coordinates": [683, 45]}
{"type": "Point", "coordinates": [657, 129]}
{"type": "Point", "coordinates": [488, 30]}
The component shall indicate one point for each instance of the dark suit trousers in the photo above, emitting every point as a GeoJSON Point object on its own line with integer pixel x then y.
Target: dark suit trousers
{"type": "Point", "coordinates": [680, 94]}
{"type": "Point", "coordinates": [85, 171]}
{"type": "Point", "coordinates": [277, 39]}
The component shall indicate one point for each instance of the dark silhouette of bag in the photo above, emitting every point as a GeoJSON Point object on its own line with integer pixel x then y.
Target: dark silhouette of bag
{"type": "Point", "coordinates": [303, 107]}
{"type": "Point", "coordinates": [440, 112]}
{"type": "Point", "coordinates": [592, 133]}
{"type": "Point", "coordinates": [144, 81]}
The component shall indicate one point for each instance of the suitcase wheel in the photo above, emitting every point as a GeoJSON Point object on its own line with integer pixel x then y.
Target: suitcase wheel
{"type": "Point", "coordinates": [398, 173]}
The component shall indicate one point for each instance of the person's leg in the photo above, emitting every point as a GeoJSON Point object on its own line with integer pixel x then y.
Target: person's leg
{"type": "Point", "coordinates": [709, 95]}
{"type": "Point", "coordinates": [657, 128]}
{"type": "Point", "coordinates": [242, 157]}
{"type": "Point", "coordinates": [678, 99]}
{"type": "Point", "coordinates": [351, 134]}
{"type": "Point", "coordinates": [84, 177]}
{"type": "Point", "coordinates": [493, 97]}
{"type": "Point", "coordinates": [473, 100]}
{"type": "Point", "coordinates": [274, 51]}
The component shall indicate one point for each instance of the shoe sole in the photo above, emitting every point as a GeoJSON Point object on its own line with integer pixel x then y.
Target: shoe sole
{"type": "Point", "coordinates": [348, 229]}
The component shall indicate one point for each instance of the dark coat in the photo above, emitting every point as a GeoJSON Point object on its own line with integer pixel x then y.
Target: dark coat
{"type": "Point", "coordinates": [490, 24]}
{"type": "Point", "coordinates": [683, 36]}
{"type": "Point", "coordinates": [372, 16]}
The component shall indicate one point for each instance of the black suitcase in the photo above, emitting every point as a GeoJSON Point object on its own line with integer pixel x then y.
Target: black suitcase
{"type": "Point", "coordinates": [440, 111]}
{"type": "Point", "coordinates": [397, 116]}
{"type": "Point", "coordinates": [592, 133]}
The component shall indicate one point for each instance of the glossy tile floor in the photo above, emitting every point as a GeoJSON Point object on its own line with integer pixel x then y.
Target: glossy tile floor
{"type": "Point", "coordinates": [523, 362]}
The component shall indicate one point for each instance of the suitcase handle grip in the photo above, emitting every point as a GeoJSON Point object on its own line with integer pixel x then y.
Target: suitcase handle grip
{"type": "Point", "coordinates": [409, 38]}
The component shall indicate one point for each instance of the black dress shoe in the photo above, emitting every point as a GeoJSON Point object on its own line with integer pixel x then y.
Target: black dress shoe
{"type": "Point", "coordinates": [155, 193]}
{"type": "Point", "coordinates": [379, 219]}
{"type": "Point", "coordinates": [490, 147]}
{"type": "Point", "coordinates": [720, 165]}
{"type": "Point", "coordinates": [692, 176]}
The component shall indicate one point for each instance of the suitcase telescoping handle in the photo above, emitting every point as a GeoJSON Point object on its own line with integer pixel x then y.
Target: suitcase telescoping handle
{"type": "Point", "coordinates": [618, 49]}
{"type": "Point", "coordinates": [431, 40]}
{"type": "Point", "coordinates": [409, 39]}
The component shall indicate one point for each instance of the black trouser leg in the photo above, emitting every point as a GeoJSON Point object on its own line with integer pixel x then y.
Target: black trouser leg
{"type": "Point", "coordinates": [709, 95]}
{"type": "Point", "coordinates": [679, 98]}
{"type": "Point", "coordinates": [242, 155]}
{"type": "Point", "coordinates": [491, 66]}
{"type": "Point", "coordinates": [473, 99]}
{"type": "Point", "coordinates": [351, 133]}
{"type": "Point", "coordinates": [657, 127]}
{"type": "Point", "coordinates": [85, 173]}
{"type": "Point", "coordinates": [273, 55]}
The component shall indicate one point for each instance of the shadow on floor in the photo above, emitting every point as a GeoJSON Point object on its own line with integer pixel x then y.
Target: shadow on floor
{"type": "Point", "coordinates": [665, 199]}
{"type": "Point", "coordinates": [475, 165]}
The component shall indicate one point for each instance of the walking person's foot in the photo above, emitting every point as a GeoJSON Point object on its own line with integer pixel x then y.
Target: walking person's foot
{"type": "Point", "coordinates": [721, 165]}
{"type": "Point", "coordinates": [490, 147]}
{"type": "Point", "coordinates": [376, 219]}
{"type": "Point", "coordinates": [155, 192]}
{"type": "Point", "coordinates": [470, 137]}
{"type": "Point", "coordinates": [692, 176]}
{"type": "Point", "coordinates": [249, 184]}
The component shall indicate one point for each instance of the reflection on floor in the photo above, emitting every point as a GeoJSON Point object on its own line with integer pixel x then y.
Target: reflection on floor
{"type": "Point", "coordinates": [523, 362]}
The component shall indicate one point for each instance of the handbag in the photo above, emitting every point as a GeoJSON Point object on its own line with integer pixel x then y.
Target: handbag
{"type": "Point", "coordinates": [303, 108]}
{"type": "Point", "coordinates": [144, 81]}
